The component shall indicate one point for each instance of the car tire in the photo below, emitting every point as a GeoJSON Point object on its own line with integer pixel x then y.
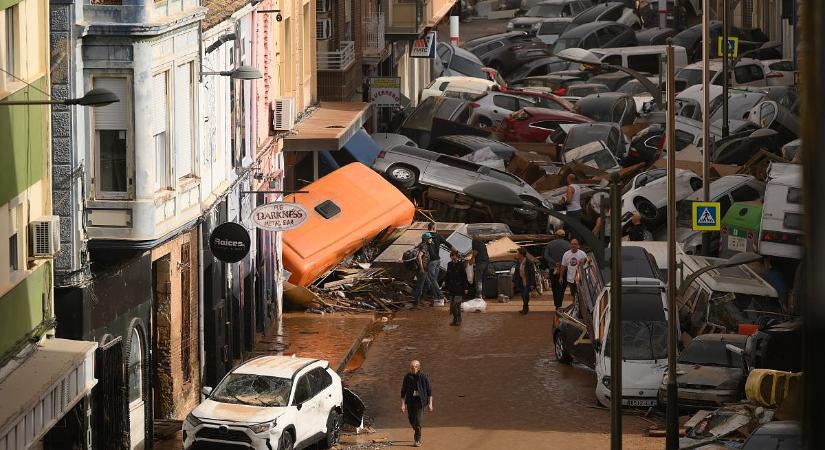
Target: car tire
{"type": "Point", "coordinates": [403, 176]}
{"type": "Point", "coordinates": [484, 122]}
{"type": "Point", "coordinates": [646, 209]}
{"type": "Point", "coordinates": [562, 355]}
{"type": "Point", "coordinates": [286, 442]}
{"type": "Point", "coordinates": [334, 421]}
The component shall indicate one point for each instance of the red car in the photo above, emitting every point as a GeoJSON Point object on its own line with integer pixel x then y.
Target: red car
{"type": "Point", "coordinates": [544, 98]}
{"type": "Point", "coordinates": [536, 124]}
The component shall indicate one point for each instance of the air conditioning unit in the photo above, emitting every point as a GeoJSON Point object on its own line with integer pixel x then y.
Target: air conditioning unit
{"type": "Point", "coordinates": [323, 27]}
{"type": "Point", "coordinates": [321, 6]}
{"type": "Point", "coordinates": [283, 113]}
{"type": "Point", "coordinates": [44, 237]}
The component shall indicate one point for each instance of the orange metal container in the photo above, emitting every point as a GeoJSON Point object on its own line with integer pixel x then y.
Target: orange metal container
{"type": "Point", "coordinates": [368, 205]}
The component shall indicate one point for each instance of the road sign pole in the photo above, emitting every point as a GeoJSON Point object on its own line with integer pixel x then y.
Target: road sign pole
{"type": "Point", "coordinates": [672, 417]}
{"type": "Point", "coordinates": [725, 73]}
{"type": "Point", "coordinates": [615, 314]}
{"type": "Point", "coordinates": [706, 112]}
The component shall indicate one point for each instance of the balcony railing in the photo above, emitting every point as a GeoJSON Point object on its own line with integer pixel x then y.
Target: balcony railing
{"type": "Point", "coordinates": [411, 17]}
{"type": "Point", "coordinates": [339, 60]}
{"type": "Point", "coordinates": [374, 42]}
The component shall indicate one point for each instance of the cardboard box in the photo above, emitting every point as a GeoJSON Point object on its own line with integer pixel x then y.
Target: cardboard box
{"type": "Point", "coordinates": [541, 148]}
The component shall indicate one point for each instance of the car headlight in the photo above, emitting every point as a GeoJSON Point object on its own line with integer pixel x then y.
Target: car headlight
{"type": "Point", "coordinates": [606, 381]}
{"type": "Point", "coordinates": [261, 427]}
{"type": "Point", "coordinates": [536, 26]}
{"type": "Point", "coordinates": [509, 26]}
{"type": "Point", "coordinates": [192, 420]}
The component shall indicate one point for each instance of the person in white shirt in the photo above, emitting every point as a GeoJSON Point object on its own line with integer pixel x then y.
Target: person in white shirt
{"type": "Point", "coordinates": [572, 200]}
{"type": "Point", "coordinates": [570, 263]}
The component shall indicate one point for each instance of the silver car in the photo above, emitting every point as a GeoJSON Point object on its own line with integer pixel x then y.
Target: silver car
{"type": "Point", "coordinates": [493, 107]}
{"type": "Point", "coordinates": [407, 166]}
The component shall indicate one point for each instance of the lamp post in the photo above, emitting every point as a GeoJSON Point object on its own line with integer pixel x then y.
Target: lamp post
{"type": "Point", "coordinates": [706, 140]}
{"type": "Point", "coordinates": [95, 98]}
{"type": "Point", "coordinates": [672, 413]}
{"type": "Point", "coordinates": [239, 73]}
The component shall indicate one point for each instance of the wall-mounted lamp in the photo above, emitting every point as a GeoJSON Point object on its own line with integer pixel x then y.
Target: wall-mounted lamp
{"type": "Point", "coordinates": [240, 73]}
{"type": "Point", "coordinates": [277, 12]}
{"type": "Point", "coordinates": [94, 98]}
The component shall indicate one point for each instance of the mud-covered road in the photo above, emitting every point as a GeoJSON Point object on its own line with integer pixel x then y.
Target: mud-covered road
{"type": "Point", "coordinates": [496, 384]}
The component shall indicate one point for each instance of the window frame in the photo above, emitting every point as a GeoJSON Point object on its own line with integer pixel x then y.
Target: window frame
{"type": "Point", "coordinates": [167, 183]}
{"type": "Point", "coordinates": [182, 178]}
{"type": "Point", "coordinates": [99, 193]}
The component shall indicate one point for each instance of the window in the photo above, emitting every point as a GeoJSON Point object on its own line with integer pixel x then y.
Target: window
{"type": "Point", "coordinates": [748, 73]}
{"type": "Point", "coordinates": [12, 32]}
{"type": "Point", "coordinates": [184, 120]}
{"type": "Point", "coordinates": [160, 130]}
{"type": "Point", "coordinates": [546, 125]}
{"type": "Point", "coordinates": [135, 367]}
{"type": "Point", "coordinates": [784, 66]}
{"type": "Point", "coordinates": [319, 379]}
{"type": "Point", "coordinates": [613, 59]}
{"type": "Point", "coordinates": [458, 163]}
{"type": "Point", "coordinates": [745, 194]}
{"type": "Point", "coordinates": [644, 63]}
{"type": "Point", "coordinates": [506, 102]}
{"type": "Point", "coordinates": [525, 103]}
{"type": "Point", "coordinates": [467, 67]}
{"type": "Point", "coordinates": [303, 390]}
{"type": "Point", "coordinates": [186, 316]}
{"type": "Point", "coordinates": [605, 36]}
{"type": "Point", "coordinates": [794, 196]}
{"type": "Point", "coordinates": [505, 177]}
{"type": "Point", "coordinates": [111, 125]}
{"type": "Point", "coordinates": [591, 41]}
{"type": "Point", "coordinates": [14, 257]}
{"type": "Point", "coordinates": [792, 221]}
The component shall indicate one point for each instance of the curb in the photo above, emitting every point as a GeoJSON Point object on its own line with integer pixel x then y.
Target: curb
{"type": "Point", "coordinates": [354, 348]}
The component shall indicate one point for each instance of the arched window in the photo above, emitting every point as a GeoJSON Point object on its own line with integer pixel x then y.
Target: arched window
{"type": "Point", "coordinates": [135, 367]}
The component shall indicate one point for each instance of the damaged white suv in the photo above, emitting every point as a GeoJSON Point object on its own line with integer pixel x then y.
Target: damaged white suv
{"type": "Point", "coordinates": [269, 403]}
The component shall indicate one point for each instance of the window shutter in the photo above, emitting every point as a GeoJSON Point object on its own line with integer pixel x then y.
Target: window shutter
{"type": "Point", "coordinates": [116, 115]}
{"type": "Point", "coordinates": [159, 111]}
{"type": "Point", "coordinates": [183, 119]}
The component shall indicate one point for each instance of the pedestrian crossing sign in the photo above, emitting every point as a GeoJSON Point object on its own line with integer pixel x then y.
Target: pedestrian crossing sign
{"type": "Point", "coordinates": [733, 46]}
{"type": "Point", "coordinates": [705, 216]}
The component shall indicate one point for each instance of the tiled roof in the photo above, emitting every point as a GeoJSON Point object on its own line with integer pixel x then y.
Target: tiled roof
{"type": "Point", "coordinates": [220, 10]}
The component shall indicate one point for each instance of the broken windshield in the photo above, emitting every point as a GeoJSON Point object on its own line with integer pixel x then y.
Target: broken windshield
{"type": "Point", "coordinates": [710, 353]}
{"type": "Point", "coordinates": [644, 327]}
{"type": "Point", "coordinates": [254, 390]}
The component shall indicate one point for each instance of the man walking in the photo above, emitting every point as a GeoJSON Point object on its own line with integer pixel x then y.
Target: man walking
{"type": "Point", "coordinates": [415, 395]}
{"type": "Point", "coordinates": [434, 244]}
{"type": "Point", "coordinates": [570, 263]}
{"type": "Point", "coordinates": [524, 278]}
{"type": "Point", "coordinates": [422, 261]}
{"type": "Point", "coordinates": [553, 253]}
{"type": "Point", "coordinates": [480, 260]}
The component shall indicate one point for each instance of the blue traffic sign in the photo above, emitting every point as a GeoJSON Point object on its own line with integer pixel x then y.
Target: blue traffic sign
{"type": "Point", "coordinates": [706, 216]}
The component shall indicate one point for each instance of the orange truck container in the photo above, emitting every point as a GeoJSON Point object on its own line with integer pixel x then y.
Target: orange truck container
{"type": "Point", "coordinates": [347, 208]}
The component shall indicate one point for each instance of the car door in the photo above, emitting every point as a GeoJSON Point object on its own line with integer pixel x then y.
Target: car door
{"type": "Point", "coordinates": [503, 106]}
{"type": "Point", "coordinates": [305, 419]}
{"type": "Point", "coordinates": [451, 173]}
{"type": "Point", "coordinates": [322, 401]}
{"type": "Point", "coordinates": [445, 55]}
{"type": "Point", "coordinates": [575, 336]}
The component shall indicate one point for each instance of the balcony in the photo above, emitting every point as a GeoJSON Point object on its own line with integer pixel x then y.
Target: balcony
{"type": "Point", "coordinates": [374, 46]}
{"type": "Point", "coordinates": [408, 19]}
{"type": "Point", "coordinates": [338, 60]}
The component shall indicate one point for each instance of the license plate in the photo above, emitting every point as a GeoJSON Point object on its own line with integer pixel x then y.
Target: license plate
{"type": "Point", "coordinates": [639, 402]}
{"type": "Point", "coordinates": [737, 244]}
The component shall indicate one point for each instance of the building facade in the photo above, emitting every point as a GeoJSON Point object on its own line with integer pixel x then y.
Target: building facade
{"type": "Point", "coordinates": [42, 379]}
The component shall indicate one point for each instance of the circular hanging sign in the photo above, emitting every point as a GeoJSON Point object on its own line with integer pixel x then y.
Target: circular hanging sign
{"type": "Point", "coordinates": [229, 242]}
{"type": "Point", "coordinates": [279, 216]}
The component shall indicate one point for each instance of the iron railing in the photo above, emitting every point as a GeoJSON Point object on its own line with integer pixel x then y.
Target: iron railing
{"type": "Point", "coordinates": [338, 60]}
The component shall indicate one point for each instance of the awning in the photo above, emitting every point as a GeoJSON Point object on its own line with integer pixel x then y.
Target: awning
{"type": "Point", "coordinates": [328, 127]}
{"type": "Point", "coordinates": [43, 388]}
{"type": "Point", "coordinates": [359, 148]}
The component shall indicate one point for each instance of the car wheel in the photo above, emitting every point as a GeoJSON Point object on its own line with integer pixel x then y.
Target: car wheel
{"type": "Point", "coordinates": [646, 209]}
{"type": "Point", "coordinates": [562, 354]}
{"type": "Point", "coordinates": [402, 176]}
{"type": "Point", "coordinates": [333, 429]}
{"type": "Point", "coordinates": [286, 442]}
{"type": "Point", "coordinates": [696, 184]}
{"type": "Point", "coordinates": [484, 122]}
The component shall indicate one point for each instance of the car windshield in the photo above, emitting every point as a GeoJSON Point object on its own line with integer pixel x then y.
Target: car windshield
{"type": "Point", "coordinates": [633, 87]}
{"type": "Point", "coordinates": [552, 27]}
{"type": "Point", "coordinates": [710, 353]}
{"type": "Point", "coordinates": [467, 67]}
{"type": "Point", "coordinates": [579, 136]}
{"type": "Point", "coordinates": [583, 90]}
{"type": "Point", "coordinates": [644, 327]}
{"type": "Point", "coordinates": [692, 76]}
{"type": "Point", "coordinates": [565, 43]}
{"type": "Point", "coordinates": [544, 11]}
{"type": "Point", "coordinates": [593, 155]}
{"type": "Point", "coordinates": [254, 390]}
{"type": "Point", "coordinates": [731, 309]}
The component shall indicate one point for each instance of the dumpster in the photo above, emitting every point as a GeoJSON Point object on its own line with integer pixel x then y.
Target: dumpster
{"type": "Point", "coordinates": [740, 229]}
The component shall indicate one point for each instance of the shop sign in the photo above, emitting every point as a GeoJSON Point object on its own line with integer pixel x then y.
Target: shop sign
{"type": "Point", "coordinates": [279, 216]}
{"type": "Point", "coordinates": [229, 242]}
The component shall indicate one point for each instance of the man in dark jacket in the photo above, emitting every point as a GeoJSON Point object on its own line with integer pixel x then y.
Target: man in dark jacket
{"type": "Point", "coordinates": [553, 253]}
{"type": "Point", "coordinates": [416, 394]}
{"type": "Point", "coordinates": [457, 285]}
{"type": "Point", "coordinates": [524, 278]}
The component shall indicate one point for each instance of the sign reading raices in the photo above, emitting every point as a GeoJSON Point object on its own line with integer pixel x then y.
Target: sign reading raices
{"type": "Point", "coordinates": [229, 242]}
{"type": "Point", "coordinates": [279, 216]}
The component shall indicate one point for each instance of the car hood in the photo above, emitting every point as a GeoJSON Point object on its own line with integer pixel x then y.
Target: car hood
{"type": "Point", "coordinates": [241, 414]}
{"type": "Point", "coordinates": [526, 20]}
{"type": "Point", "coordinates": [710, 377]}
{"type": "Point", "coordinates": [639, 375]}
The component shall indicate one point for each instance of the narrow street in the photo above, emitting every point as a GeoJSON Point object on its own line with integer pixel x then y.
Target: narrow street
{"type": "Point", "coordinates": [496, 384]}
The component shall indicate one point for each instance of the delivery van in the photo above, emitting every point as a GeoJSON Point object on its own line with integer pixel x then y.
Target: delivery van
{"type": "Point", "coordinates": [347, 208]}
{"type": "Point", "coordinates": [782, 212]}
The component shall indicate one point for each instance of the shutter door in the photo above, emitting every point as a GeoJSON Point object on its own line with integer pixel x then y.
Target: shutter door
{"type": "Point", "coordinates": [159, 111]}
{"type": "Point", "coordinates": [116, 115]}
{"type": "Point", "coordinates": [183, 119]}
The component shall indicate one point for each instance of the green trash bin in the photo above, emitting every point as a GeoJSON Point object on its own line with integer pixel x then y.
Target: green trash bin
{"type": "Point", "coordinates": [740, 229]}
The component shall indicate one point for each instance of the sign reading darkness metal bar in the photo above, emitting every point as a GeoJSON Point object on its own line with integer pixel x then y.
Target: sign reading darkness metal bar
{"type": "Point", "coordinates": [229, 242]}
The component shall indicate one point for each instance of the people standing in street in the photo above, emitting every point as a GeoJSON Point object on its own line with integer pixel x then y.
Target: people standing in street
{"type": "Point", "coordinates": [553, 253]}
{"type": "Point", "coordinates": [570, 263]}
{"type": "Point", "coordinates": [572, 200]}
{"type": "Point", "coordinates": [423, 282]}
{"type": "Point", "coordinates": [457, 285]}
{"type": "Point", "coordinates": [434, 244]}
{"type": "Point", "coordinates": [416, 394]}
{"type": "Point", "coordinates": [524, 278]}
{"type": "Point", "coordinates": [480, 260]}
{"type": "Point", "coordinates": [637, 230]}
{"type": "Point", "coordinates": [603, 223]}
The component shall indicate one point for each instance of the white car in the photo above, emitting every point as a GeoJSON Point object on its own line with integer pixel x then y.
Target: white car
{"type": "Point", "coordinates": [492, 108]}
{"type": "Point", "coordinates": [647, 193]}
{"type": "Point", "coordinates": [270, 403]}
{"type": "Point", "coordinates": [471, 85]}
{"type": "Point", "coordinates": [779, 72]}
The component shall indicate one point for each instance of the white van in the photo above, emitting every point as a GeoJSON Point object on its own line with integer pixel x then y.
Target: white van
{"type": "Point", "coordinates": [782, 212]}
{"type": "Point", "coordinates": [468, 86]}
{"type": "Point", "coordinates": [651, 59]}
{"type": "Point", "coordinates": [644, 342]}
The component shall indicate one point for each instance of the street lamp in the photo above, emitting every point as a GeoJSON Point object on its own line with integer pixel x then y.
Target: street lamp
{"type": "Point", "coordinates": [239, 73]}
{"type": "Point", "coordinates": [95, 98]}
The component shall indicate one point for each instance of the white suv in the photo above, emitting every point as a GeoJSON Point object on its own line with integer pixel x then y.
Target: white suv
{"type": "Point", "coordinates": [269, 403]}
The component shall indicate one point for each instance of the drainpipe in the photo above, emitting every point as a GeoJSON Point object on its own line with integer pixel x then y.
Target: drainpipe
{"type": "Point", "coordinates": [202, 344]}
